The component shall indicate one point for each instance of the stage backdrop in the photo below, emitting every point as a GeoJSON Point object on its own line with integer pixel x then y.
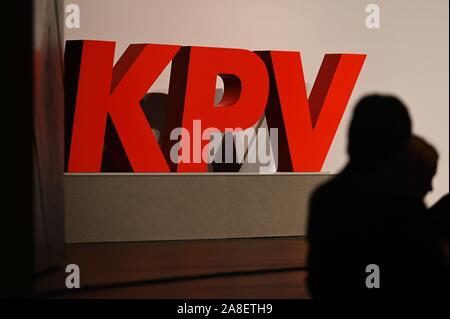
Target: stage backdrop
{"type": "Point", "coordinates": [406, 56]}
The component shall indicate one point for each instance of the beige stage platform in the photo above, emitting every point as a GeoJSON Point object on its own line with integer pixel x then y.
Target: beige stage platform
{"type": "Point", "coordinates": [143, 207]}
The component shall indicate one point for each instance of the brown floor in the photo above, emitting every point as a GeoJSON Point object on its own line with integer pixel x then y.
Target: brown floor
{"type": "Point", "coordinates": [221, 268]}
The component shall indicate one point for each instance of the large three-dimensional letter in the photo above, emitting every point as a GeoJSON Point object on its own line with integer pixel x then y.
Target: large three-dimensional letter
{"type": "Point", "coordinates": [306, 127]}
{"type": "Point", "coordinates": [102, 91]}
{"type": "Point", "coordinates": [192, 90]}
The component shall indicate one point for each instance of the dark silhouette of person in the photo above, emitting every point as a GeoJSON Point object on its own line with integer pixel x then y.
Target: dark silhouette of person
{"type": "Point", "coordinates": [439, 214]}
{"type": "Point", "coordinates": [421, 167]}
{"type": "Point", "coordinates": [367, 214]}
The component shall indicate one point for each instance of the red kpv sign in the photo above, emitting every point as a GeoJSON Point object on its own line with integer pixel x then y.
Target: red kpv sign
{"type": "Point", "coordinates": [256, 84]}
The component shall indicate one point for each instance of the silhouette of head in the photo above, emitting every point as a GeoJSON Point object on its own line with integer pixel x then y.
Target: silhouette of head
{"type": "Point", "coordinates": [423, 160]}
{"type": "Point", "coordinates": [154, 106]}
{"type": "Point", "coordinates": [380, 129]}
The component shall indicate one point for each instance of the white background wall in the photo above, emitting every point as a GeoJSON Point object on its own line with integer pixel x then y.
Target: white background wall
{"type": "Point", "coordinates": [407, 56]}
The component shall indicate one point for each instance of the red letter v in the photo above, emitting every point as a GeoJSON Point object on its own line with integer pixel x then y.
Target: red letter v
{"type": "Point", "coordinates": [306, 127]}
